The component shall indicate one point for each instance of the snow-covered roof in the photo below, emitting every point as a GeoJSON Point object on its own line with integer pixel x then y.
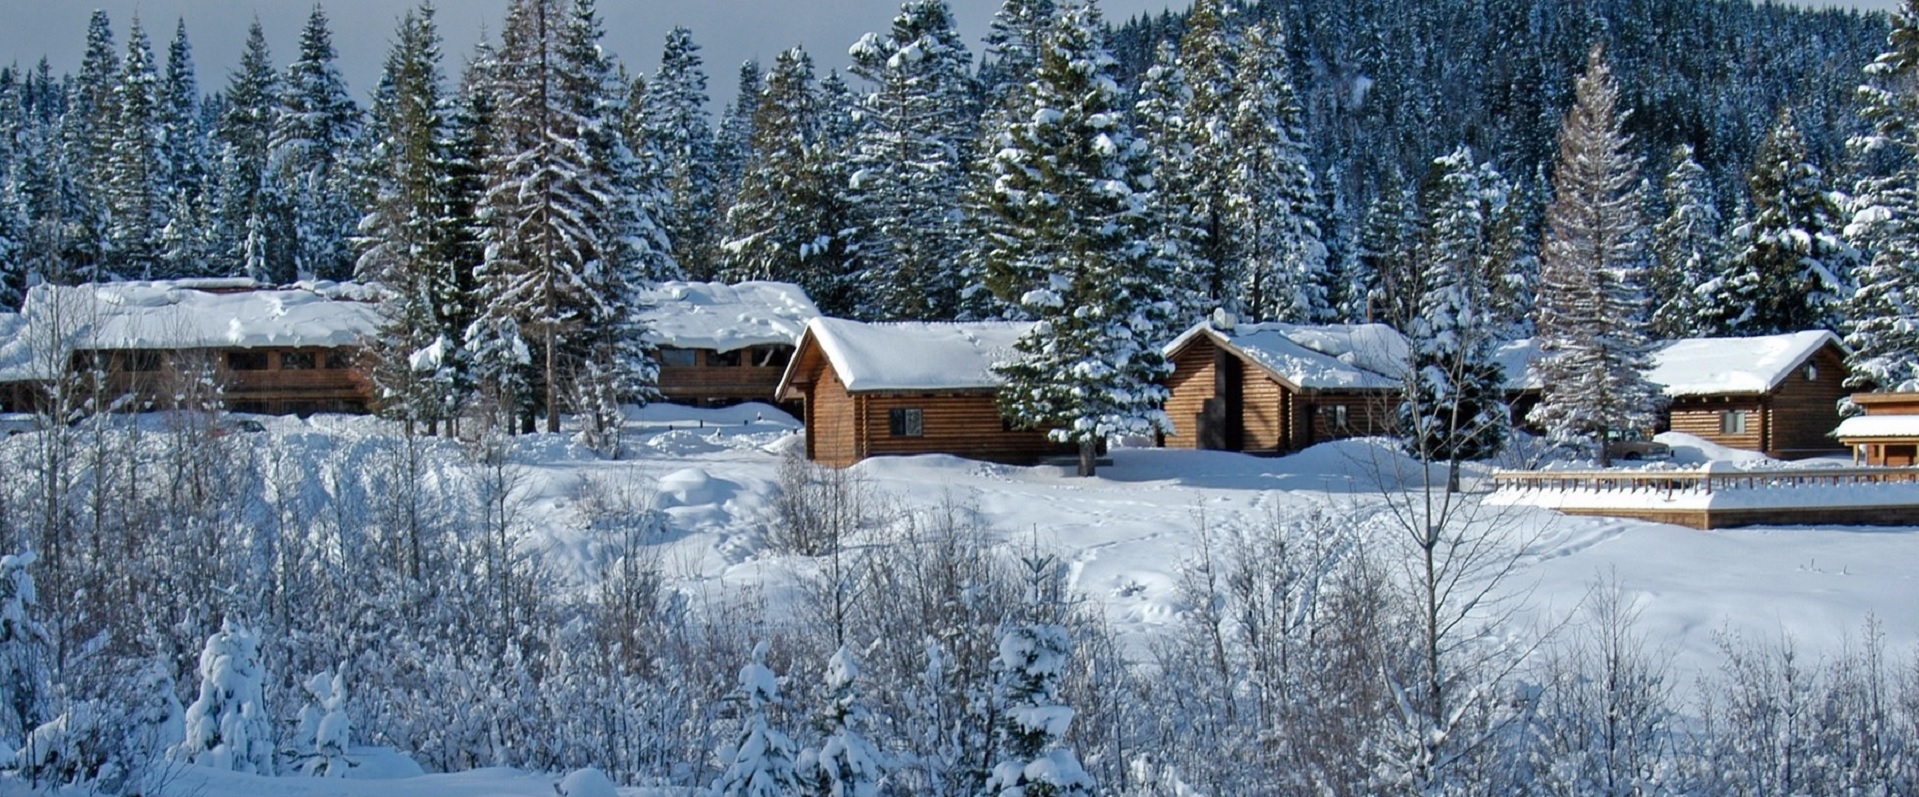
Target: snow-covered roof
{"type": "Point", "coordinates": [1864, 426]}
{"type": "Point", "coordinates": [1317, 357]}
{"type": "Point", "coordinates": [913, 355]}
{"type": "Point", "coordinates": [721, 317]}
{"type": "Point", "coordinates": [1718, 366]}
{"type": "Point", "coordinates": [184, 314]}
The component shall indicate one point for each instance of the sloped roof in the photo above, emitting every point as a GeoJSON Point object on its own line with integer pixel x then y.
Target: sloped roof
{"type": "Point", "coordinates": [869, 357]}
{"type": "Point", "coordinates": [1719, 366]}
{"type": "Point", "coordinates": [1871, 426]}
{"type": "Point", "coordinates": [722, 317]}
{"type": "Point", "coordinates": [1314, 357]}
{"type": "Point", "coordinates": [185, 314]}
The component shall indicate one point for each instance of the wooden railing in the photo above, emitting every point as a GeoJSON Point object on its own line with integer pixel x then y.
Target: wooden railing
{"type": "Point", "coordinates": [1701, 481]}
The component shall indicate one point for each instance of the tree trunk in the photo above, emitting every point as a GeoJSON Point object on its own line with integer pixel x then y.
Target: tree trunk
{"type": "Point", "coordinates": [1088, 457]}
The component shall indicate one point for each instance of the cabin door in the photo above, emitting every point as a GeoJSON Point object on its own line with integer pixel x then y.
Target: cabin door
{"type": "Point", "coordinates": [1222, 426]}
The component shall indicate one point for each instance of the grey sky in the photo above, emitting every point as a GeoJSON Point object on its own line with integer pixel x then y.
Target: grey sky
{"type": "Point", "coordinates": [730, 31]}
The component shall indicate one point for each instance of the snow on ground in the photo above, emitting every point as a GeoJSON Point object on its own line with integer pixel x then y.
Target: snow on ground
{"type": "Point", "coordinates": [1125, 533]}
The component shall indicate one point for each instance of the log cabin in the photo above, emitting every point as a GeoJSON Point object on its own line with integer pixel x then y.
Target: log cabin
{"type": "Point", "coordinates": [1887, 434]}
{"type": "Point", "coordinates": [1279, 388]}
{"type": "Point", "coordinates": [1775, 394]}
{"type": "Point", "coordinates": [190, 343]}
{"type": "Point", "coordinates": [720, 344]}
{"type": "Point", "coordinates": [885, 389]}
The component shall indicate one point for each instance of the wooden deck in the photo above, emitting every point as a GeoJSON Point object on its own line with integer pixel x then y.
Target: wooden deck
{"type": "Point", "coordinates": [1703, 499]}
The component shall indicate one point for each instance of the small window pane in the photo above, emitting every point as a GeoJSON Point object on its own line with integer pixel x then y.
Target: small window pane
{"type": "Point", "coordinates": [296, 361]}
{"type": "Point", "coordinates": [1732, 422]}
{"type": "Point", "coordinates": [772, 356]}
{"type": "Point", "coordinates": [247, 360]}
{"type": "Point", "coordinates": [338, 360]}
{"type": "Point", "coordinates": [723, 359]}
{"type": "Point", "coordinates": [683, 358]}
{"type": "Point", "coordinates": [906, 422]}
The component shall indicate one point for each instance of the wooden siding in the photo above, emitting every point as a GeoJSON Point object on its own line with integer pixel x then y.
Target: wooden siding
{"type": "Point", "coordinates": [1191, 384]}
{"type": "Point", "coordinates": [1888, 403]}
{"type": "Point", "coordinates": [1266, 409]}
{"type": "Point", "coordinates": [1700, 417]}
{"type": "Point", "coordinates": [1367, 413]}
{"type": "Point", "coordinates": [962, 424]}
{"type": "Point", "coordinates": [831, 424]}
{"type": "Point", "coordinates": [1803, 412]}
{"type": "Point", "coordinates": [156, 378]}
{"type": "Point", "coordinates": [709, 382]}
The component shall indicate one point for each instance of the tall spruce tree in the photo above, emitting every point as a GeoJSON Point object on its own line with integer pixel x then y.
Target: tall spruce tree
{"type": "Point", "coordinates": [1883, 312]}
{"type": "Point", "coordinates": [1686, 248]}
{"type": "Point", "coordinates": [136, 187]}
{"type": "Point", "coordinates": [1202, 177]}
{"type": "Point", "coordinates": [733, 142]}
{"type": "Point", "coordinates": [1792, 268]}
{"type": "Point", "coordinates": [317, 123]}
{"type": "Point", "coordinates": [1071, 193]}
{"type": "Point", "coordinates": [186, 238]}
{"type": "Point", "coordinates": [673, 120]}
{"type": "Point", "coordinates": [1160, 120]}
{"type": "Point", "coordinates": [1387, 242]}
{"type": "Point", "coordinates": [86, 138]}
{"type": "Point", "coordinates": [1590, 315]}
{"type": "Point", "coordinates": [791, 221]}
{"type": "Point", "coordinates": [248, 242]}
{"type": "Point", "coordinates": [1454, 409]}
{"type": "Point", "coordinates": [909, 163]}
{"type": "Point", "coordinates": [1271, 203]}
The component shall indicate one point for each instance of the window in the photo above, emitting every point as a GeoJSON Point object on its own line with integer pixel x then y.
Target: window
{"type": "Point", "coordinates": [141, 360]}
{"type": "Point", "coordinates": [1812, 372]}
{"type": "Point", "coordinates": [723, 359]}
{"type": "Point", "coordinates": [906, 422]}
{"type": "Point", "coordinates": [1732, 422]}
{"type": "Point", "coordinates": [297, 361]}
{"type": "Point", "coordinates": [247, 360]}
{"type": "Point", "coordinates": [1339, 416]}
{"type": "Point", "coordinates": [679, 358]}
{"type": "Point", "coordinates": [772, 356]}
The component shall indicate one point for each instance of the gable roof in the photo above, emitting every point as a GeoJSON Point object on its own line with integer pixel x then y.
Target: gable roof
{"type": "Point", "coordinates": [186, 314]}
{"type": "Point", "coordinates": [871, 357]}
{"type": "Point", "coordinates": [1312, 357]}
{"type": "Point", "coordinates": [1720, 366]}
{"type": "Point", "coordinates": [722, 317]}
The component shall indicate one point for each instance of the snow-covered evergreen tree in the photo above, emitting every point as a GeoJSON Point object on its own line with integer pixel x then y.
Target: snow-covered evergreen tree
{"type": "Point", "coordinates": [25, 646]}
{"type": "Point", "coordinates": [845, 764]}
{"type": "Point", "coordinates": [673, 120]}
{"type": "Point", "coordinates": [86, 127]}
{"type": "Point", "coordinates": [228, 726]}
{"type": "Point", "coordinates": [185, 241]}
{"type": "Point", "coordinates": [1033, 758]}
{"type": "Point", "coordinates": [1883, 312]}
{"type": "Point", "coordinates": [1201, 170]}
{"type": "Point", "coordinates": [316, 123]}
{"type": "Point", "coordinates": [1791, 269]}
{"type": "Point", "coordinates": [1387, 241]}
{"type": "Point", "coordinates": [760, 761]}
{"type": "Point", "coordinates": [247, 240]}
{"type": "Point", "coordinates": [909, 162]}
{"type": "Point", "coordinates": [1271, 203]}
{"type": "Point", "coordinates": [1591, 314]}
{"type": "Point", "coordinates": [791, 219]}
{"type": "Point", "coordinates": [1072, 191]}
{"type": "Point", "coordinates": [1012, 49]}
{"type": "Point", "coordinates": [1686, 248]}
{"type": "Point", "coordinates": [1454, 409]}
{"type": "Point", "coordinates": [733, 142]}
{"type": "Point", "coordinates": [136, 172]}
{"type": "Point", "coordinates": [324, 732]}
{"type": "Point", "coordinates": [1159, 115]}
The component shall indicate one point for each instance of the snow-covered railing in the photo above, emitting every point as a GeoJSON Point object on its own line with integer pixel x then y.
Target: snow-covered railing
{"type": "Point", "coordinates": [1705, 480]}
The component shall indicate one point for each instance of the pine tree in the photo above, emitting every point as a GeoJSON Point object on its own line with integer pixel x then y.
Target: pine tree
{"type": "Point", "coordinates": [86, 136]}
{"type": "Point", "coordinates": [1385, 255]}
{"type": "Point", "coordinates": [845, 764]}
{"type": "Point", "coordinates": [1160, 121]}
{"type": "Point", "coordinates": [317, 123]}
{"type": "Point", "coordinates": [1032, 756]}
{"type": "Point", "coordinates": [325, 730]}
{"type": "Point", "coordinates": [249, 202]}
{"type": "Point", "coordinates": [1454, 409]}
{"type": "Point", "coordinates": [733, 143]}
{"type": "Point", "coordinates": [185, 240]}
{"type": "Point", "coordinates": [760, 763]}
{"type": "Point", "coordinates": [1013, 48]}
{"type": "Point", "coordinates": [227, 725]}
{"type": "Point", "coordinates": [790, 221]}
{"type": "Point", "coordinates": [909, 163]}
{"type": "Point", "coordinates": [1591, 311]}
{"type": "Point", "coordinates": [417, 366]}
{"type": "Point", "coordinates": [25, 646]}
{"type": "Point", "coordinates": [1883, 312]}
{"type": "Point", "coordinates": [674, 121]}
{"type": "Point", "coordinates": [1792, 269]}
{"type": "Point", "coordinates": [1270, 199]}
{"type": "Point", "coordinates": [136, 176]}
{"type": "Point", "coordinates": [1202, 178]}
{"type": "Point", "coordinates": [1070, 191]}
{"type": "Point", "coordinates": [1686, 248]}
